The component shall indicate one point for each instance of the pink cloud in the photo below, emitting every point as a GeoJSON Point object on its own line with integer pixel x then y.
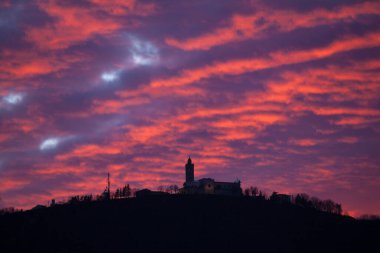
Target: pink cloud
{"type": "Point", "coordinates": [243, 27]}
{"type": "Point", "coordinates": [68, 28]}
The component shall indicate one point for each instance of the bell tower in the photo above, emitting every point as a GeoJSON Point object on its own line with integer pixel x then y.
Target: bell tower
{"type": "Point", "coordinates": [189, 167]}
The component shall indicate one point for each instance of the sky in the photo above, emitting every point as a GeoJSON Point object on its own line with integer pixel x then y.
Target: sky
{"type": "Point", "coordinates": [283, 95]}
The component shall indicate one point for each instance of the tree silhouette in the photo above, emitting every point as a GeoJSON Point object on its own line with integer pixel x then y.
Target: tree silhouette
{"type": "Point", "coordinates": [117, 193]}
{"type": "Point", "coordinates": [273, 196]}
{"type": "Point", "coordinates": [251, 191]}
{"type": "Point", "coordinates": [74, 199]}
{"type": "Point", "coordinates": [8, 210]}
{"type": "Point", "coordinates": [262, 195]}
{"type": "Point", "coordinates": [370, 217]}
{"type": "Point", "coordinates": [172, 189]}
{"type": "Point", "coordinates": [303, 200]}
{"type": "Point", "coordinates": [322, 205]}
{"type": "Point", "coordinates": [254, 191]}
{"type": "Point", "coordinates": [126, 192]}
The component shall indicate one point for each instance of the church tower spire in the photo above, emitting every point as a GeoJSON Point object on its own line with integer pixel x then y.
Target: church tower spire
{"type": "Point", "coordinates": [189, 168]}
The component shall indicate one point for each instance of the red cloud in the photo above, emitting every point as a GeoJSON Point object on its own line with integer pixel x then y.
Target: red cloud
{"type": "Point", "coordinates": [90, 150]}
{"type": "Point", "coordinates": [349, 139]}
{"type": "Point", "coordinates": [340, 84]}
{"type": "Point", "coordinates": [125, 7]}
{"type": "Point", "coordinates": [12, 184]}
{"type": "Point", "coordinates": [236, 67]}
{"type": "Point", "coordinates": [20, 125]}
{"type": "Point", "coordinates": [6, 4]}
{"type": "Point", "coordinates": [116, 106]}
{"type": "Point", "coordinates": [56, 169]}
{"type": "Point", "coordinates": [349, 120]}
{"type": "Point", "coordinates": [24, 64]}
{"type": "Point", "coordinates": [75, 24]}
{"type": "Point", "coordinates": [4, 137]}
{"type": "Point", "coordinates": [251, 26]}
{"type": "Point", "coordinates": [305, 142]}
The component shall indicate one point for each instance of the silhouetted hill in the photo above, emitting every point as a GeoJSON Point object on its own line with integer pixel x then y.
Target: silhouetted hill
{"type": "Point", "coordinates": [178, 223]}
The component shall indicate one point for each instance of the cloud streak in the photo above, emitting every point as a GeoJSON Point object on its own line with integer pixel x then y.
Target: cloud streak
{"type": "Point", "coordinates": [256, 26]}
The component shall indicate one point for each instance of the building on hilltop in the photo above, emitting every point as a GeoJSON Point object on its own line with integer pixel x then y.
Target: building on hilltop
{"type": "Point", "coordinates": [208, 185]}
{"type": "Point", "coordinates": [280, 198]}
{"type": "Point", "coordinates": [147, 192]}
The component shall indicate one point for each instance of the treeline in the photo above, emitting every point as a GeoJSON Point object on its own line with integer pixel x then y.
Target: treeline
{"type": "Point", "coordinates": [253, 191]}
{"type": "Point", "coordinates": [328, 205]}
{"type": "Point", "coordinates": [124, 192]}
{"type": "Point", "coordinates": [120, 193]}
{"type": "Point", "coordinates": [369, 217]}
{"type": "Point", "coordinates": [172, 189]}
{"type": "Point", "coordinates": [301, 199]}
{"type": "Point", "coordinates": [9, 210]}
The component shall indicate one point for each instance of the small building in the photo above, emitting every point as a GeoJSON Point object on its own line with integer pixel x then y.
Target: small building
{"type": "Point", "coordinates": [37, 207]}
{"type": "Point", "coordinates": [147, 192]}
{"type": "Point", "coordinates": [208, 185]}
{"type": "Point", "coordinates": [280, 198]}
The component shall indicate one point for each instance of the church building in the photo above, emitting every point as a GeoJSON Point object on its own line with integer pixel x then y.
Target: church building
{"type": "Point", "coordinates": [208, 185]}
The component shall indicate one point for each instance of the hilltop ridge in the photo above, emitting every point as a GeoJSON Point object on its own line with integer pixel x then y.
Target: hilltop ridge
{"type": "Point", "coordinates": [183, 223]}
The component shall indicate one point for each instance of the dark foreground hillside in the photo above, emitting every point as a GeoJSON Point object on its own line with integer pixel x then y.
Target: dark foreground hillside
{"type": "Point", "coordinates": [184, 224]}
